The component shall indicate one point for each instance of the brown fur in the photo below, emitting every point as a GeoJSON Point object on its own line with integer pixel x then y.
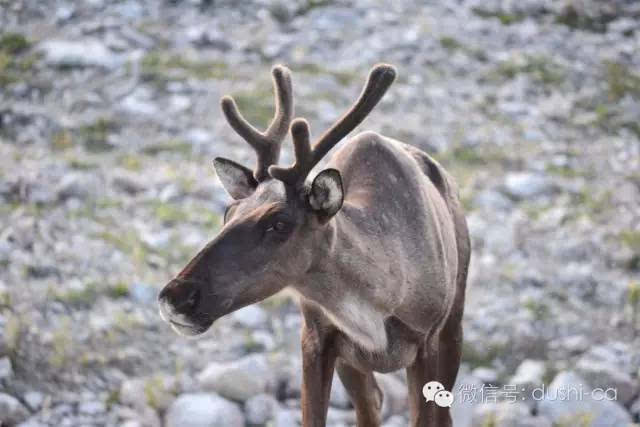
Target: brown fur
{"type": "Point", "coordinates": [380, 276]}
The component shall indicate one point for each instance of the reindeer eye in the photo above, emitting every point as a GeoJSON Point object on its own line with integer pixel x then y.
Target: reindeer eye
{"type": "Point", "coordinates": [277, 226]}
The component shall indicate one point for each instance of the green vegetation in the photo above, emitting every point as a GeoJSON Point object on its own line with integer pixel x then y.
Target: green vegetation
{"type": "Point", "coordinates": [86, 296]}
{"type": "Point", "coordinates": [256, 105]}
{"type": "Point", "coordinates": [540, 69]}
{"type": "Point", "coordinates": [161, 66]}
{"type": "Point", "coordinates": [491, 420]}
{"type": "Point", "coordinates": [476, 357]}
{"type": "Point", "coordinates": [593, 202]}
{"type": "Point", "coordinates": [157, 391]}
{"type": "Point", "coordinates": [13, 63]}
{"type": "Point", "coordinates": [343, 77]}
{"type": "Point", "coordinates": [633, 298]}
{"type": "Point", "coordinates": [119, 290]}
{"type": "Point", "coordinates": [128, 242]}
{"type": "Point", "coordinates": [572, 19]}
{"type": "Point", "coordinates": [538, 309]}
{"type": "Point", "coordinates": [95, 135]}
{"type": "Point", "coordinates": [14, 43]}
{"type": "Point", "coordinates": [13, 331]}
{"type": "Point", "coordinates": [621, 81]}
{"type": "Point", "coordinates": [579, 420]}
{"type": "Point", "coordinates": [62, 344]}
{"type": "Point", "coordinates": [450, 43]}
{"type": "Point", "coordinates": [131, 162]}
{"type": "Point", "coordinates": [170, 145]}
{"type": "Point", "coordinates": [62, 140]}
{"type": "Point", "coordinates": [309, 5]}
{"type": "Point", "coordinates": [631, 238]}
{"type": "Point", "coordinates": [504, 18]}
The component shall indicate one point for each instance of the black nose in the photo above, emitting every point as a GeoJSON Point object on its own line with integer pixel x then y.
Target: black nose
{"type": "Point", "coordinates": [183, 296]}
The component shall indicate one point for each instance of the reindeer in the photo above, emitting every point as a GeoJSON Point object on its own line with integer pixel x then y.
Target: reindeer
{"type": "Point", "coordinates": [375, 247]}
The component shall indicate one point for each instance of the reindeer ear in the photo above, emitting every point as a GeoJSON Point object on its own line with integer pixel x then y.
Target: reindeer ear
{"type": "Point", "coordinates": [326, 194]}
{"type": "Point", "coordinates": [236, 179]}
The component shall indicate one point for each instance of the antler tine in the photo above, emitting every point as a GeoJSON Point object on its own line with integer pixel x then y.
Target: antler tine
{"type": "Point", "coordinates": [279, 126]}
{"type": "Point", "coordinates": [380, 78]}
{"type": "Point", "coordinates": [302, 148]}
{"type": "Point", "coordinates": [266, 144]}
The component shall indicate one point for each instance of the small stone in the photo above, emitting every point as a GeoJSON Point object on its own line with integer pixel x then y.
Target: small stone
{"type": "Point", "coordinates": [34, 399]}
{"type": "Point", "coordinates": [529, 373]}
{"type": "Point", "coordinates": [92, 408]}
{"type": "Point", "coordinates": [485, 374]}
{"type": "Point", "coordinates": [157, 390]}
{"type": "Point", "coordinates": [339, 396]}
{"type": "Point", "coordinates": [260, 409]}
{"type": "Point", "coordinates": [251, 316]}
{"type": "Point", "coordinates": [395, 421]}
{"type": "Point", "coordinates": [286, 418]}
{"type": "Point", "coordinates": [395, 392]}
{"type": "Point", "coordinates": [79, 186]}
{"type": "Point", "coordinates": [604, 375]}
{"type": "Point", "coordinates": [238, 380]}
{"type": "Point", "coordinates": [203, 410]}
{"type": "Point", "coordinates": [85, 53]}
{"type": "Point", "coordinates": [11, 410]}
{"type": "Point", "coordinates": [524, 185]}
{"type": "Point", "coordinates": [506, 414]}
{"type": "Point", "coordinates": [569, 397]}
{"type": "Point", "coordinates": [6, 370]}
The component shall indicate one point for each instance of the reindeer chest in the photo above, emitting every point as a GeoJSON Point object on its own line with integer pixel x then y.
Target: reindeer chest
{"type": "Point", "coordinates": [400, 351]}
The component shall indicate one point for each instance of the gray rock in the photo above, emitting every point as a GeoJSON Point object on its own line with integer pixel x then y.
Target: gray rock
{"type": "Point", "coordinates": [569, 398]}
{"type": "Point", "coordinates": [79, 186]}
{"type": "Point", "coordinates": [525, 185]}
{"type": "Point", "coordinates": [6, 370]}
{"type": "Point", "coordinates": [491, 200]}
{"type": "Point", "coordinates": [83, 53]}
{"type": "Point", "coordinates": [485, 374]}
{"type": "Point", "coordinates": [32, 422]}
{"type": "Point", "coordinates": [11, 410]}
{"type": "Point", "coordinates": [203, 410]}
{"type": "Point", "coordinates": [143, 293]}
{"type": "Point", "coordinates": [464, 404]}
{"type": "Point", "coordinates": [340, 417]}
{"type": "Point", "coordinates": [93, 408]}
{"type": "Point", "coordinates": [260, 409]}
{"type": "Point", "coordinates": [339, 396]}
{"type": "Point", "coordinates": [251, 316]}
{"type": "Point", "coordinates": [128, 182]}
{"type": "Point", "coordinates": [635, 409]}
{"type": "Point", "coordinates": [140, 102]}
{"type": "Point", "coordinates": [395, 421]}
{"type": "Point", "coordinates": [286, 418]}
{"type": "Point", "coordinates": [238, 380]}
{"type": "Point", "coordinates": [395, 391]}
{"type": "Point", "coordinates": [604, 375]}
{"type": "Point", "coordinates": [34, 399]}
{"type": "Point", "coordinates": [530, 373]}
{"type": "Point", "coordinates": [137, 392]}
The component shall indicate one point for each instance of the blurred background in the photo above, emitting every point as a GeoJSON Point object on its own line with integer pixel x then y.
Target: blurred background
{"type": "Point", "coordinates": [109, 120]}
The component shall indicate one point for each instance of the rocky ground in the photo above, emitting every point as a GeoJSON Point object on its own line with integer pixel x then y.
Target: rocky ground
{"type": "Point", "coordinates": [109, 120]}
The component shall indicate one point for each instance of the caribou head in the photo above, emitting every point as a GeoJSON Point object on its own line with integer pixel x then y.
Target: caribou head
{"type": "Point", "coordinates": [274, 230]}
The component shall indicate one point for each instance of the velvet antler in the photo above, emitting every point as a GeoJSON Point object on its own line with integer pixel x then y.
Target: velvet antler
{"type": "Point", "coordinates": [266, 144]}
{"type": "Point", "coordinates": [380, 78]}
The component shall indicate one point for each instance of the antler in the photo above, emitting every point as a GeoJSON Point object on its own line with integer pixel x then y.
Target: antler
{"type": "Point", "coordinates": [380, 78]}
{"type": "Point", "coordinates": [266, 144]}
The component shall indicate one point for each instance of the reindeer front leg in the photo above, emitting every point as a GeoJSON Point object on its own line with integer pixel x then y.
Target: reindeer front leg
{"type": "Point", "coordinates": [318, 361]}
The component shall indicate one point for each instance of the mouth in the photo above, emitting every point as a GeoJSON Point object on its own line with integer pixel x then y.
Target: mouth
{"type": "Point", "coordinates": [183, 327]}
{"type": "Point", "coordinates": [188, 330]}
